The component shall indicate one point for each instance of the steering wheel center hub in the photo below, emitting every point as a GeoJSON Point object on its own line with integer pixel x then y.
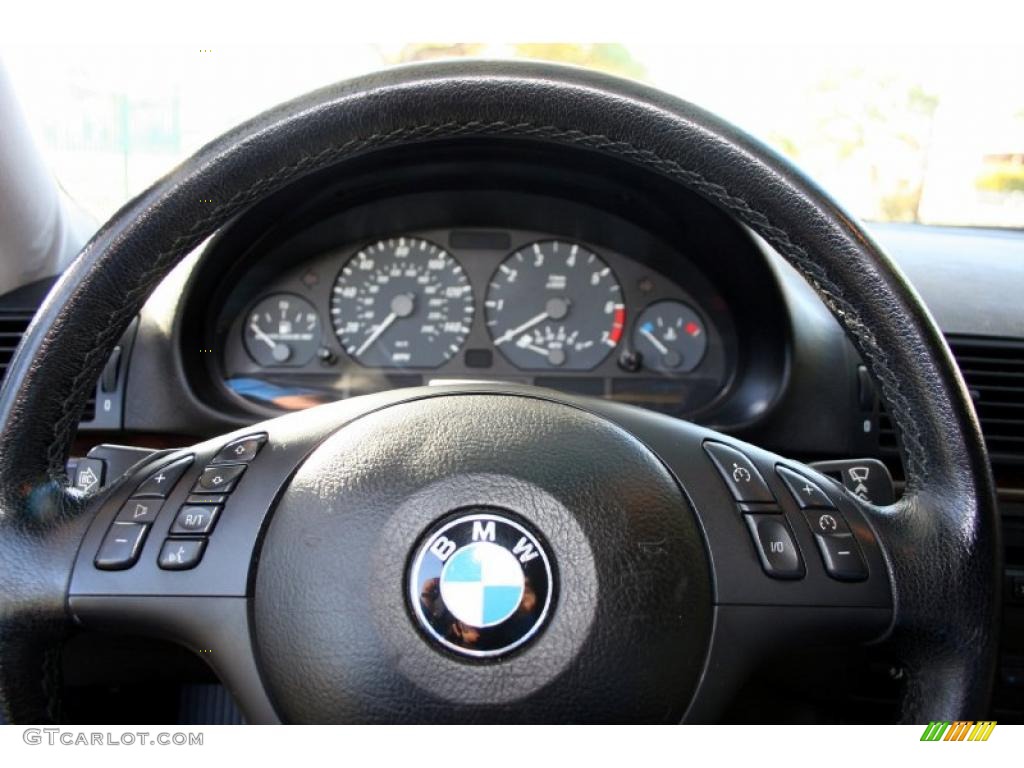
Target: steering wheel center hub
{"type": "Point", "coordinates": [481, 584]}
{"type": "Point", "coordinates": [419, 567]}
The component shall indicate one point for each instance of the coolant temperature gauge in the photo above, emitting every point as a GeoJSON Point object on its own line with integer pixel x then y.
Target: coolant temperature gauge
{"type": "Point", "coordinates": [282, 330]}
{"type": "Point", "coordinates": [670, 337]}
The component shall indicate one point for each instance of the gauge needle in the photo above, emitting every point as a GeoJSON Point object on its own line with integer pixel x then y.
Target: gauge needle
{"type": "Point", "coordinates": [534, 348]}
{"type": "Point", "coordinates": [655, 341]}
{"type": "Point", "coordinates": [376, 334]}
{"type": "Point", "coordinates": [516, 331]}
{"type": "Point", "coordinates": [262, 336]}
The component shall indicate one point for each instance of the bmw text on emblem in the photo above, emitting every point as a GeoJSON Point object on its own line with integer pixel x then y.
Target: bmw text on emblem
{"type": "Point", "coordinates": [481, 584]}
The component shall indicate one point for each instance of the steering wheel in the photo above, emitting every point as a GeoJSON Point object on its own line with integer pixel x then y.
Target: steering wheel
{"type": "Point", "coordinates": [488, 552]}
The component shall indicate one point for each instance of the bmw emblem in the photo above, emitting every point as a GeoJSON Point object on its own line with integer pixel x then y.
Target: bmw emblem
{"type": "Point", "coordinates": [481, 584]}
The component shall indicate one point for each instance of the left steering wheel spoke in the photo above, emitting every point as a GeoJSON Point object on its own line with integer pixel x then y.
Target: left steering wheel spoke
{"type": "Point", "coordinates": [169, 552]}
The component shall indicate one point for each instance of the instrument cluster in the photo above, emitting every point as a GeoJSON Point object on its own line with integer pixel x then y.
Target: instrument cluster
{"type": "Point", "coordinates": [478, 304]}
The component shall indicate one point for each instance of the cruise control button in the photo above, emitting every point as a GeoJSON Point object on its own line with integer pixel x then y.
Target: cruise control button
{"type": "Point", "coordinates": [805, 492]}
{"type": "Point", "coordinates": [775, 546]}
{"type": "Point", "coordinates": [842, 558]}
{"type": "Point", "coordinates": [121, 546]}
{"type": "Point", "coordinates": [195, 519]}
{"type": "Point", "coordinates": [244, 449]}
{"type": "Point", "coordinates": [139, 511]}
{"type": "Point", "coordinates": [825, 522]}
{"type": "Point", "coordinates": [159, 484]}
{"type": "Point", "coordinates": [739, 473]}
{"type": "Point", "coordinates": [218, 479]}
{"type": "Point", "coordinates": [181, 554]}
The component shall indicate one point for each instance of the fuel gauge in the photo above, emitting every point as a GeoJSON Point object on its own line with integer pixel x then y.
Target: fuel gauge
{"type": "Point", "coordinates": [670, 337]}
{"type": "Point", "coordinates": [282, 330]}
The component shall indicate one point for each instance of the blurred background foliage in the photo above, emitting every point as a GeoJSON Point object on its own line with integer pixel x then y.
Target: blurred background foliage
{"type": "Point", "coordinates": [910, 135]}
{"type": "Point", "coordinates": [613, 58]}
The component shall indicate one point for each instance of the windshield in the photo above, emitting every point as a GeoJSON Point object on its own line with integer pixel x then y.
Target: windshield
{"type": "Point", "coordinates": [932, 136]}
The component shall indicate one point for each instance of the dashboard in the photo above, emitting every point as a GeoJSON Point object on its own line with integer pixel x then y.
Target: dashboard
{"type": "Point", "coordinates": [457, 304]}
{"type": "Point", "coordinates": [484, 268]}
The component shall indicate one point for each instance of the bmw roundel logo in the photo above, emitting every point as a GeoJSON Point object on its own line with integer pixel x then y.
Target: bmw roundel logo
{"type": "Point", "coordinates": [481, 584]}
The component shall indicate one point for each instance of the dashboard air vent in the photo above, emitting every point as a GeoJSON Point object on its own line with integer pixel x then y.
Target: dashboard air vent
{"type": "Point", "coordinates": [13, 324]}
{"type": "Point", "coordinates": [994, 371]}
{"type": "Point", "coordinates": [12, 327]}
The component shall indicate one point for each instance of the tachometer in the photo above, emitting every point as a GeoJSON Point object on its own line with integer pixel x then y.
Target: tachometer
{"type": "Point", "coordinates": [402, 303]}
{"type": "Point", "coordinates": [555, 304]}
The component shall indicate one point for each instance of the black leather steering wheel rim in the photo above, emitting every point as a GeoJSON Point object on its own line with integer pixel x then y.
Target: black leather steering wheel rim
{"type": "Point", "coordinates": [942, 535]}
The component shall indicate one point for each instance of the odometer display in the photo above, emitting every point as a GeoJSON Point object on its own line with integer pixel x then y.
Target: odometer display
{"type": "Point", "coordinates": [402, 303]}
{"type": "Point", "coordinates": [555, 305]}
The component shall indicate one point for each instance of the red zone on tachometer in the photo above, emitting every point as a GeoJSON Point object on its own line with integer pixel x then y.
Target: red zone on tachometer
{"type": "Point", "coordinates": [618, 323]}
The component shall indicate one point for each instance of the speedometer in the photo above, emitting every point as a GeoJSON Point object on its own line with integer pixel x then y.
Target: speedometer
{"type": "Point", "coordinates": [555, 304]}
{"type": "Point", "coordinates": [402, 303]}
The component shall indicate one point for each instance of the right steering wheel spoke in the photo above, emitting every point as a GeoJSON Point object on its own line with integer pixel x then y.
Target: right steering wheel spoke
{"type": "Point", "coordinates": [795, 561]}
